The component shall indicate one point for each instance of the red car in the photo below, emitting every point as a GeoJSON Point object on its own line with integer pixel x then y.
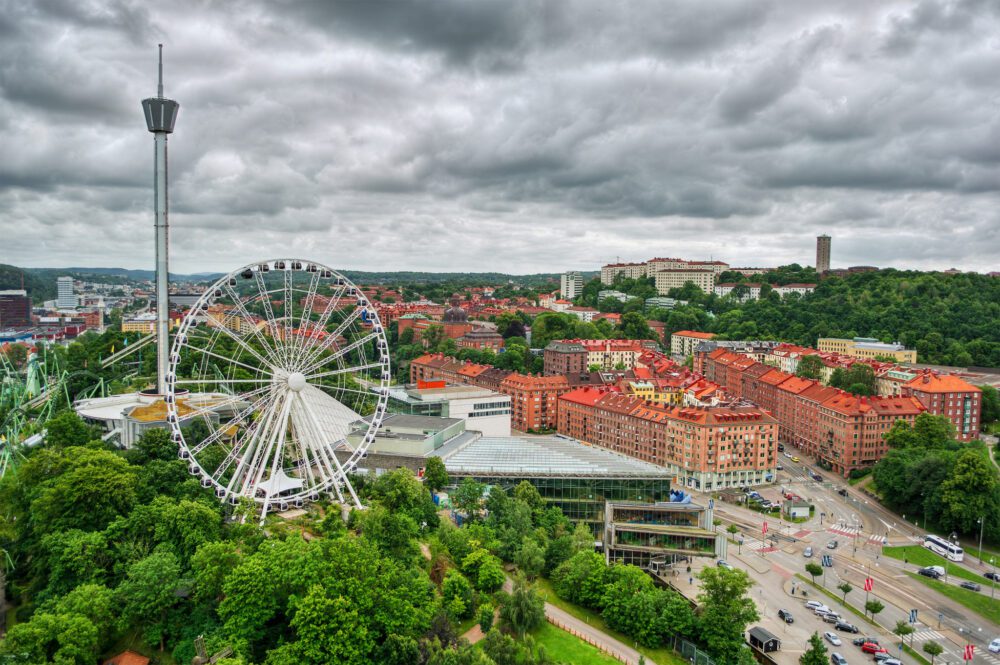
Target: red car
{"type": "Point", "coordinates": [871, 647]}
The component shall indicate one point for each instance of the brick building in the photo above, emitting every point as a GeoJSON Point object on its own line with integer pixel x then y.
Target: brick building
{"type": "Point", "coordinates": [950, 396]}
{"type": "Point", "coordinates": [15, 309]}
{"type": "Point", "coordinates": [841, 430]}
{"type": "Point", "coordinates": [705, 447]}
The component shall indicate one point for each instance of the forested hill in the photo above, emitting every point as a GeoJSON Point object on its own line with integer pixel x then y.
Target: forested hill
{"type": "Point", "coordinates": [12, 277]}
{"type": "Point", "coordinates": [948, 319]}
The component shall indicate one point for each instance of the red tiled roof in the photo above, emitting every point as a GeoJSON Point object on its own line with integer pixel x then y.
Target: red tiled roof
{"type": "Point", "coordinates": [694, 333]}
{"type": "Point", "coordinates": [128, 658]}
{"type": "Point", "coordinates": [940, 383]}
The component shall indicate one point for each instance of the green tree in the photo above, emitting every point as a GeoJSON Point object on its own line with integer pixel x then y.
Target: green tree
{"type": "Point", "coordinates": [810, 367]}
{"type": "Point", "coordinates": [210, 564]}
{"type": "Point", "coordinates": [581, 579]}
{"type": "Point", "coordinates": [814, 570]}
{"type": "Point", "coordinates": [933, 649]}
{"type": "Point", "coordinates": [634, 326]}
{"type": "Point", "coordinates": [727, 609]}
{"type": "Point", "coordinates": [68, 429]}
{"type": "Point", "coordinates": [523, 609]}
{"type": "Point", "coordinates": [990, 405]}
{"type": "Point", "coordinates": [435, 475]}
{"type": "Point", "coordinates": [846, 589]}
{"type": "Point", "coordinates": [486, 611]}
{"type": "Point", "coordinates": [902, 629]}
{"type": "Point", "coordinates": [530, 559]}
{"type": "Point", "coordinates": [583, 538]}
{"type": "Point", "coordinates": [468, 497]}
{"type": "Point", "coordinates": [873, 607]}
{"type": "Point", "coordinates": [816, 653]}
{"type": "Point", "coordinates": [457, 587]}
{"type": "Point", "coordinates": [529, 494]}
{"type": "Point", "coordinates": [147, 593]}
{"type": "Point", "coordinates": [970, 492]}
{"type": "Point", "coordinates": [64, 639]}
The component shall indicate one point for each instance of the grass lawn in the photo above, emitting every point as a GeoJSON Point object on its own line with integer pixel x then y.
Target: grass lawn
{"type": "Point", "coordinates": [921, 556]}
{"type": "Point", "coordinates": [976, 601]}
{"type": "Point", "coordinates": [562, 647]}
{"type": "Point", "coordinates": [659, 656]}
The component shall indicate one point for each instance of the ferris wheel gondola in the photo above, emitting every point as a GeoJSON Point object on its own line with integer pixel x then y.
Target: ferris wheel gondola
{"type": "Point", "coordinates": [297, 364]}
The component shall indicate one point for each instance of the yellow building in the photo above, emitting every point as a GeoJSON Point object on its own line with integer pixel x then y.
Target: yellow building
{"type": "Point", "coordinates": [867, 347]}
{"type": "Point", "coordinates": [144, 323]}
{"type": "Point", "coordinates": [650, 392]}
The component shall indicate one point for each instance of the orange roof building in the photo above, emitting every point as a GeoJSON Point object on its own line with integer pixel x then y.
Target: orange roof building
{"type": "Point", "coordinates": [950, 396]}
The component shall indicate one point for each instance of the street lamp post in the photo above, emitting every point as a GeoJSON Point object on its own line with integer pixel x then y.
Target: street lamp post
{"type": "Point", "coordinates": [982, 523]}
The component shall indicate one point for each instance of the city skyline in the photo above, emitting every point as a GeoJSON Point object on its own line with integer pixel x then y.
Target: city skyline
{"type": "Point", "coordinates": [504, 135]}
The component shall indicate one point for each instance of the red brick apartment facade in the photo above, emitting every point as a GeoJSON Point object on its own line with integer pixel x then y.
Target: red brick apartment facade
{"type": "Point", "coordinates": [843, 430]}
{"type": "Point", "coordinates": [949, 396]}
{"type": "Point", "coordinates": [706, 447]}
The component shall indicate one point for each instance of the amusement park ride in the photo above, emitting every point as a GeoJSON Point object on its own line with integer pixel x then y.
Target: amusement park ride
{"type": "Point", "coordinates": [273, 389]}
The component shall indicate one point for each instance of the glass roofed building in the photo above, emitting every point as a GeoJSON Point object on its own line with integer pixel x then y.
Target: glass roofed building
{"type": "Point", "coordinates": [577, 478]}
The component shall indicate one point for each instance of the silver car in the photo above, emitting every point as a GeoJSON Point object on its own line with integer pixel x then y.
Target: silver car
{"type": "Point", "coordinates": [807, 552]}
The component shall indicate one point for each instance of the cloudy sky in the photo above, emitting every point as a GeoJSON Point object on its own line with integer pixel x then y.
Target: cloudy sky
{"type": "Point", "coordinates": [502, 134]}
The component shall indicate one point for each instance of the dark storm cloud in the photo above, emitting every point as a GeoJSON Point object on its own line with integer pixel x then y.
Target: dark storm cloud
{"type": "Point", "coordinates": [504, 135]}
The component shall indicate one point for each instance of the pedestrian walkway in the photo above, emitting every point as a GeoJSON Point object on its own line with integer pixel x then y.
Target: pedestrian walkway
{"type": "Point", "coordinates": [928, 636]}
{"type": "Point", "coordinates": [844, 530]}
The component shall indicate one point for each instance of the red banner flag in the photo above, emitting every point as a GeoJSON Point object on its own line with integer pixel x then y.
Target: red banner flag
{"type": "Point", "coordinates": [763, 529]}
{"type": "Point", "coordinates": [970, 651]}
{"type": "Point", "coordinates": [869, 584]}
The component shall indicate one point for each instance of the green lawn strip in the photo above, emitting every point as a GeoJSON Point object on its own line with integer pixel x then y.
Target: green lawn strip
{"type": "Point", "coordinates": [662, 656]}
{"type": "Point", "coordinates": [975, 601]}
{"type": "Point", "coordinates": [913, 653]}
{"type": "Point", "coordinates": [564, 647]}
{"type": "Point", "coordinates": [921, 556]}
{"type": "Point", "coordinates": [839, 599]}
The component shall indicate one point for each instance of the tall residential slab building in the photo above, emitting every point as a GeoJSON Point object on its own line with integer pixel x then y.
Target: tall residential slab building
{"type": "Point", "coordinates": [570, 285]}
{"type": "Point", "coordinates": [64, 293]}
{"type": "Point", "coordinates": [822, 253]}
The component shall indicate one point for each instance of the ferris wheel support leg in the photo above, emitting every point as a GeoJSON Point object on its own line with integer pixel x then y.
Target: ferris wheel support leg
{"type": "Point", "coordinates": [333, 456]}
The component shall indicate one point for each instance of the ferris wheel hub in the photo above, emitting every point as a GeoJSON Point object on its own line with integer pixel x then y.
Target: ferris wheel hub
{"type": "Point", "coordinates": [296, 381]}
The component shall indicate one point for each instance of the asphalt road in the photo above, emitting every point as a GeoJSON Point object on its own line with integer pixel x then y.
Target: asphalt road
{"type": "Point", "coordinates": [860, 526]}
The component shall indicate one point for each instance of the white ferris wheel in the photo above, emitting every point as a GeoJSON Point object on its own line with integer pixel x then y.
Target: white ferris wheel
{"type": "Point", "coordinates": [278, 383]}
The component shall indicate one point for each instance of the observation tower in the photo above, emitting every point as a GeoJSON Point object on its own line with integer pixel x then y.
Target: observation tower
{"type": "Point", "coordinates": [161, 113]}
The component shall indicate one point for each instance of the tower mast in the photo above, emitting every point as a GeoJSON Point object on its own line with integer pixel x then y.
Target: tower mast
{"type": "Point", "coordinates": [161, 113]}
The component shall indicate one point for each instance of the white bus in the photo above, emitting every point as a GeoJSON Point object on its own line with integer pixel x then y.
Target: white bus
{"type": "Point", "coordinates": [943, 547]}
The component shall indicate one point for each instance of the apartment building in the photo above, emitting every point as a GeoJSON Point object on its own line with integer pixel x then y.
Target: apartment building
{"type": "Point", "coordinates": [683, 342]}
{"type": "Point", "coordinates": [570, 285]}
{"type": "Point", "coordinates": [674, 279]}
{"type": "Point", "coordinates": [866, 347]}
{"type": "Point", "coordinates": [628, 270]}
{"type": "Point", "coordinates": [842, 430]}
{"type": "Point", "coordinates": [950, 396]}
{"type": "Point", "coordinates": [705, 447]}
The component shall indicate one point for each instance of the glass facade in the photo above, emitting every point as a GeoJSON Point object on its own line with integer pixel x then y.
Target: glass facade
{"type": "Point", "coordinates": [583, 499]}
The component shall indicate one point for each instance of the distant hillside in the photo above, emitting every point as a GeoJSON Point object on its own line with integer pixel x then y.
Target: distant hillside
{"type": "Point", "coordinates": [39, 288]}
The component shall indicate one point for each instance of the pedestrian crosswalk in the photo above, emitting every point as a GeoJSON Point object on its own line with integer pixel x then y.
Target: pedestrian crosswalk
{"type": "Point", "coordinates": [952, 651]}
{"type": "Point", "coordinates": [844, 530]}
{"type": "Point", "coordinates": [759, 546]}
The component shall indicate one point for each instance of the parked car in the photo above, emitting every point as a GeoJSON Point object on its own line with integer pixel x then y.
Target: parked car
{"type": "Point", "coordinates": [821, 610]}
{"type": "Point", "coordinates": [892, 661]}
{"type": "Point", "coordinates": [929, 572]}
{"type": "Point", "coordinates": [786, 616]}
{"type": "Point", "coordinates": [817, 477]}
{"type": "Point", "coordinates": [832, 545]}
{"type": "Point", "coordinates": [847, 627]}
{"type": "Point", "coordinates": [971, 586]}
{"type": "Point", "coordinates": [781, 447]}
{"type": "Point", "coordinates": [814, 604]}
{"type": "Point", "coordinates": [842, 491]}
{"type": "Point", "coordinates": [858, 641]}
{"type": "Point", "coordinates": [831, 617]}
{"type": "Point", "coordinates": [992, 576]}
{"type": "Point", "coordinates": [994, 646]}
{"type": "Point", "coordinates": [722, 563]}
{"type": "Point", "coordinates": [788, 455]}
{"type": "Point", "coordinates": [807, 552]}
{"type": "Point", "coordinates": [837, 659]}
{"type": "Point", "coordinates": [832, 638]}
{"type": "Point", "coordinates": [779, 467]}
{"type": "Point", "coordinates": [881, 657]}
{"type": "Point", "coordinates": [872, 647]}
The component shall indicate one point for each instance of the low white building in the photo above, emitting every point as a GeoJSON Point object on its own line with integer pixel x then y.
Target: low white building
{"type": "Point", "coordinates": [585, 314]}
{"type": "Point", "coordinates": [482, 410]}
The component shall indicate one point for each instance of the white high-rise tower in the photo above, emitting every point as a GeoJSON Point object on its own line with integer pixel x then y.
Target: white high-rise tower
{"type": "Point", "coordinates": [161, 113]}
